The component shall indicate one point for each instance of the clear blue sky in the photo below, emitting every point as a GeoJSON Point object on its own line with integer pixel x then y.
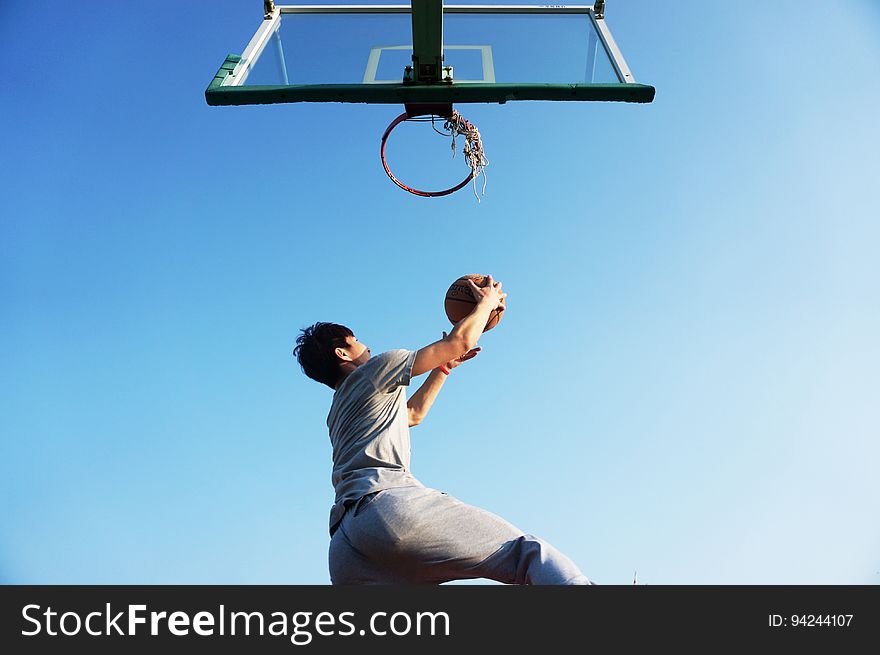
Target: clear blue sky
{"type": "Point", "coordinates": [685, 383]}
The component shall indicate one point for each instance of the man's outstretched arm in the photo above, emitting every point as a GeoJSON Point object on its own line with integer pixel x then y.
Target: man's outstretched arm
{"type": "Point", "coordinates": [420, 402]}
{"type": "Point", "coordinates": [465, 334]}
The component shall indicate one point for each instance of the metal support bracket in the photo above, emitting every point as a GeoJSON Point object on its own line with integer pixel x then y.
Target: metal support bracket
{"type": "Point", "coordinates": [599, 8]}
{"type": "Point", "coordinates": [427, 32]}
{"type": "Point", "coordinates": [442, 109]}
{"type": "Point", "coordinates": [268, 9]}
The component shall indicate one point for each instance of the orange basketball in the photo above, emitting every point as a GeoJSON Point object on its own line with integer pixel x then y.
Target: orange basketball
{"type": "Point", "coordinates": [460, 300]}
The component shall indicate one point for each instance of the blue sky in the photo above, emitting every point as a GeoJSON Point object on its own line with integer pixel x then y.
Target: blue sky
{"type": "Point", "coordinates": [685, 383]}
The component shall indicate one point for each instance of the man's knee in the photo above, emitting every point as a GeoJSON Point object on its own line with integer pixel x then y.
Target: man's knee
{"type": "Point", "coordinates": [541, 563]}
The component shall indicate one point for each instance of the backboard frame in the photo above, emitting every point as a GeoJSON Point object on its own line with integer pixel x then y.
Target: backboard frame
{"type": "Point", "coordinates": [229, 84]}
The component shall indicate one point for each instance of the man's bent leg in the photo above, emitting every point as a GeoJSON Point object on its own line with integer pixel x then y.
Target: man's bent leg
{"type": "Point", "coordinates": [531, 560]}
{"type": "Point", "coordinates": [423, 536]}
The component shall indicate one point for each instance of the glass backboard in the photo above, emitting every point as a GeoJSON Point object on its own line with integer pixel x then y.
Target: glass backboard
{"type": "Point", "coordinates": [490, 53]}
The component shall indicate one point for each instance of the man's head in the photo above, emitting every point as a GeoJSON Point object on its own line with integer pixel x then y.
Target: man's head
{"type": "Point", "coordinates": [328, 352]}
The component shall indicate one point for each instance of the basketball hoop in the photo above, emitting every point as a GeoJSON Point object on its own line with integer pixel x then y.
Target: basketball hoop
{"type": "Point", "coordinates": [475, 158]}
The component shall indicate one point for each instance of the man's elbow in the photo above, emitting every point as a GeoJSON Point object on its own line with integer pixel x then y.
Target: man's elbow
{"type": "Point", "coordinates": [461, 343]}
{"type": "Point", "coordinates": [414, 420]}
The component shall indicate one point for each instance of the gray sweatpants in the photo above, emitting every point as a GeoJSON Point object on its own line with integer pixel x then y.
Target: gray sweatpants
{"type": "Point", "coordinates": [418, 535]}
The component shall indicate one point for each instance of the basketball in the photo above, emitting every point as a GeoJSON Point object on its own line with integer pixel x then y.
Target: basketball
{"type": "Point", "coordinates": [460, 300]}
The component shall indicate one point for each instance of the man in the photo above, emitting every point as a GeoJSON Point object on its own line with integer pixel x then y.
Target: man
{"type": "Point", "coordinates": [386, 527]}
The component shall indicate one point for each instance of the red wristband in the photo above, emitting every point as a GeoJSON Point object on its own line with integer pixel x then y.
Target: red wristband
{"type": "Point", "coordinates": [443, 368]}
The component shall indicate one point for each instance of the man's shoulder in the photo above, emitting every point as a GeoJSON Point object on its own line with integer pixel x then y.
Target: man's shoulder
{"type": "Point", "coordinates": [374, 366]}
{"type": "Point", "coordinates": [375, 375]}
{"type": "Point", "coordinates": [395, 355]}
{"type": "Point", "coordinates": [390, 359]}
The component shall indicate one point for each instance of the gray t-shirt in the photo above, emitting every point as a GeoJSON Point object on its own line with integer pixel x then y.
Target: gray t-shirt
{"type": "Point", "coordinates": [369, 430]}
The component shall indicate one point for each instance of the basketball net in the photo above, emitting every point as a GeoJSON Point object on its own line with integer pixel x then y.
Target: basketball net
{"type": "Point", "coordinates": [474, 155]}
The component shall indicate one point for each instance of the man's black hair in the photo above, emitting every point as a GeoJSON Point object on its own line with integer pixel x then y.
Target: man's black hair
{"type": "Point", "coordinates": [315, 351]}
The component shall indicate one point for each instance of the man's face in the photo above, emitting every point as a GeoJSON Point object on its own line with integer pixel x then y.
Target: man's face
{"type": "Point", "coordinates": [356, 352]}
